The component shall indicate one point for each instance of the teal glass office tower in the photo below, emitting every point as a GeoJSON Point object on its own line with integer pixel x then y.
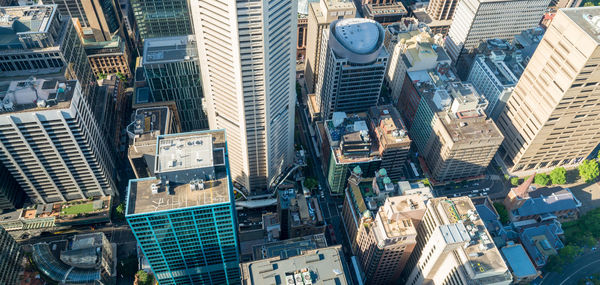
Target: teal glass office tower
{"type": "Point", "coordinates": [184, 217]}
{"type": "Point", "coordinates": [159, 18]}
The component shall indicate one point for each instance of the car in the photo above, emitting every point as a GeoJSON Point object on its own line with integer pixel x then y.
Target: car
{"type": "Point", "coordinates": [320, 188]}
{"type": "Point", "coordinates": [482, 194]}
{"type": "Point", "coordinates": [475, 191]}
{"type": "Point", "coordinates": [471, 195]}
{"type": "Point", "coordinates": [486, 189]}
{"type": "Point", "coordinates": [476, 184]}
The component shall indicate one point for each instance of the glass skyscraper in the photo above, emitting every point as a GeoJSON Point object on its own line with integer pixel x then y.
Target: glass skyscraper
{"type": "Point", "coordinates": [158, 18]}
{"type": "Point", "coordinates": [184, 217]}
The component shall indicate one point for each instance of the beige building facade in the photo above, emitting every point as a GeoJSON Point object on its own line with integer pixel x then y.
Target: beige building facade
{"type": "Point", "coordinates": [552, 117]}
{"type": "Point", "coordinates": [320, 15]}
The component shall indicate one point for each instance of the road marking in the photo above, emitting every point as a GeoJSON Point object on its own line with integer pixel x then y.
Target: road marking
{"type": "Point", "coordinates": [561, 283]}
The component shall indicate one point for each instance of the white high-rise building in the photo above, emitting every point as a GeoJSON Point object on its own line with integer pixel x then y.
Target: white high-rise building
{"type": "Point", "coordinates": [247, 53]}
{"type": "Point", "coordinates": [479, 20]}
{"type": "Point", "coordinates": [51, 143]}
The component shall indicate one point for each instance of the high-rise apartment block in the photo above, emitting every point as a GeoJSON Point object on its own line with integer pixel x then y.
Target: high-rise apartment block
{"type": "Point", "coordinates": [10, 258]}
{"type": "Point", "coordinates": [479, 20]}
{"type": "Point", "coordinates": [184, 216]}
{"type": "Point", "coordinates": [551, 117]}
{"type": "Point", "coordinates": [320, 16]}
{"type": "Point", "coordinates": [51, 142]}
{"type": "Point", "coordinates": [450, 127]}
{"type": "Point", "coordinates": [172, 71]}
{"type": "Point", "coordinates": [453, 246]}
{"type": "Point", "coordinates": [157, 18]}
{"type": "Point", "coordinates": [38, 40]}
{"type": "Point", "coordinates": [412, 48]}
{"type": "Point", "coordinates": [442, 9]}
{"type": "Point", "coordinates": [247, 54]}
{"type": "Point", "coordinates": [352, 66]}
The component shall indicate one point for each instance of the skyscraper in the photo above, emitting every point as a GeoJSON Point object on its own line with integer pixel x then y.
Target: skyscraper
{"type": "Point", "coordinates": [442, 10]}
{"type": "Point", "coordinates": [101, 17]}
{"type": "Point", "coordinates": [320, 16]}
{"type": "Point", "coordinates": [51, 143]}
{"type": "Point", "coordinates": [247, 54]}
{"type": "Point", "coordinates": [352, 66]}
{"type": "Point", "coordinates": [552, 116]}
{"type": "Point", "coordinates": [184, 217]}
{"type": "Point", "coordinates": [479, 20]}
{"type": "Point", "coordinates": [173, 74]}
{"type": "Point", "coordinates": [10, 258]}
{"type": "Point", "coordinates": [158, 18]}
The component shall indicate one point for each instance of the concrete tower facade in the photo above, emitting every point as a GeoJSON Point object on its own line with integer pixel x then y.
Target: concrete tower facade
{"type": "Point", "coordinates": [247, 52]}
{"type": "Point", "coordinates": [552, 117]}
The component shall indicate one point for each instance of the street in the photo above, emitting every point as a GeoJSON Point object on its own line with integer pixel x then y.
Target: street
{"type": "Point", "coordinates": [583, 266]}
{"type": "Point", "coordinates": [329, 204]}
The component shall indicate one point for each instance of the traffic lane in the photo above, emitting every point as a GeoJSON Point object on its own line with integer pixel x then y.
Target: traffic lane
{"type": "Point", "coordinates": [583, 266]}
{"type": "Point", "coordinates": [496, 189]}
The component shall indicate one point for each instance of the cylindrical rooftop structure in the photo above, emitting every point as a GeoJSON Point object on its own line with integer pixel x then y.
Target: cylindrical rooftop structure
{"type": "Point", "coordinates": [357, 39]}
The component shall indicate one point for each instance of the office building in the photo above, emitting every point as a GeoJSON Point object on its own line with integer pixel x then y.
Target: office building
{"type": "Point", "coordinates": [109, 57]}
{"type": "Point", "coordinates": [108, 109]}
{"type": "Point", "coordinates": [386, 239]}
{"type": "Point", "coordinates": [172, 71]}
{"type": "Point", "coordinates": [191, 195]}
{"type": "Point", "coordinates": [249, 83]}
{"type": "Point", "coordinates": [148, 123]}
{"type": "Point", "coordinates": [450, 128]}
{"type": "Point", "coordinates": [384, 12]}
{"type": "Point", "coordinates": [289, 247]}
{"type": "Point", "coordinates": [390, 135]}
{"type": "Point", "coordinates": [51, 142]}
{"type": "Point", "coordinates": [11, 194]}
{"type": "Point", "coordinates": [453, 245]}
{"type": "Point", "coordinates": [442, 10]}
{"type": "Point", "coordinates": [54, 46]}
{"type": "Point", "coordinates": [320, 15]}
{"type": "Point", "coordinates": [100, 18]}
{"type": "Point", "coordinates": [83, 259]}
{"type": "Point", "coordinates": [412, 48]}
{"type": "Point", "coordinates": [157, 18]}
{"type": "Point", "coordinates": [348, 147]}
{"type": "Point", "coordinates": [551, 116]}
{"type": "Point", "coordinates": [299, 215]}
{"type": "Point", "coordinates": [479, 20]}
{"type": "Point", "coordinates": [353, 62]}
{"type": "Point", "coordinates": [319, 266]}
{"type": "Point", "coordinates": [497, 68]}
{"type": "Point", "coordinates": [10, 258]}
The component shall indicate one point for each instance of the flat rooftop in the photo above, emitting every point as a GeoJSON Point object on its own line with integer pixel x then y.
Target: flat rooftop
{"type": "Point", "coordinates": [290, 247]}
{"type": "Point", "coordinates": [319, 267]}
{"type": "Point", "coordinates": [32, 94]}
{"type": "Point", "coordinates": [359, 35]}
{"type": "Point", "coordinates": [192, 183]}
{"type": "Point", "coordinates": [587, 18]}
{"type": "Point", "coordinates": [391, 130]}
{"type": "Point", "coordinates": [169, 49]}
{"type": "Point", "coordinates": [24, 19]}
{"type": "Point", "coordinates": [481, 252]}
{"type": "Point", "coordinates": [349, 138]}
{"type": "Point", "coordinates": [395, 218]}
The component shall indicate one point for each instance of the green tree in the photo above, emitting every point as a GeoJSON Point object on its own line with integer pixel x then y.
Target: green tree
{"type": "Point", "coordinates": [144, 278]}
{"type": "Point", "coordinates": [514, 181]}
{"type": "Point", "coordinates": [558, 175]}
{"type": "Point", "coordinates": [121, 76]}
{"type": "Point", "coordinates": [120, 212]}
{"type": "Point", "coordinates": [310, 183]}
{"type": "Point", "coordinates": [501, 209]}
{"type": "Point", "coordinates": [542, 179]}
{"type": "Point", "coordinates": [588, 170]}
{"type": "Point", "coordinates": [589, 4]}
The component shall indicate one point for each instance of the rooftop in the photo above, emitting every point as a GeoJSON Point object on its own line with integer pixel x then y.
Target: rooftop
{"type": "Point", "coordinates": [518, 261]}
{"type": "Point", "coordinates": [547, 200]}
{"type": "Point", "coordinates": [169, 49]}
{"type": "Point", "coordinates": [290, 247]}
{"type": "Point", "coordinates": [190, 171]}
{"type": "Point", "coordinates": [587, 18]}
{"type": "Point", "coordinates": [148, 124]}
{"type": "Point", "coordinates": [24, 19]}
{"type": "Point", "coordinates": [395, 218]}
{"type": "Point", "coordinates": [541, 241]}
{"type": "Point", "coordinates": [349, 138]}
{"type": "Point", "coordinates": [36, 94]}
{"type": "Point", "coordinates": [389, 127]}
{"type": "Point", "coordinates": [482, 255]}
{"type": "Point", "coordinates": [394, 8]}
{"type": "Point", "coordinates": [320, 266]}
{"type": "Point", "coordinates": [359, 35]}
